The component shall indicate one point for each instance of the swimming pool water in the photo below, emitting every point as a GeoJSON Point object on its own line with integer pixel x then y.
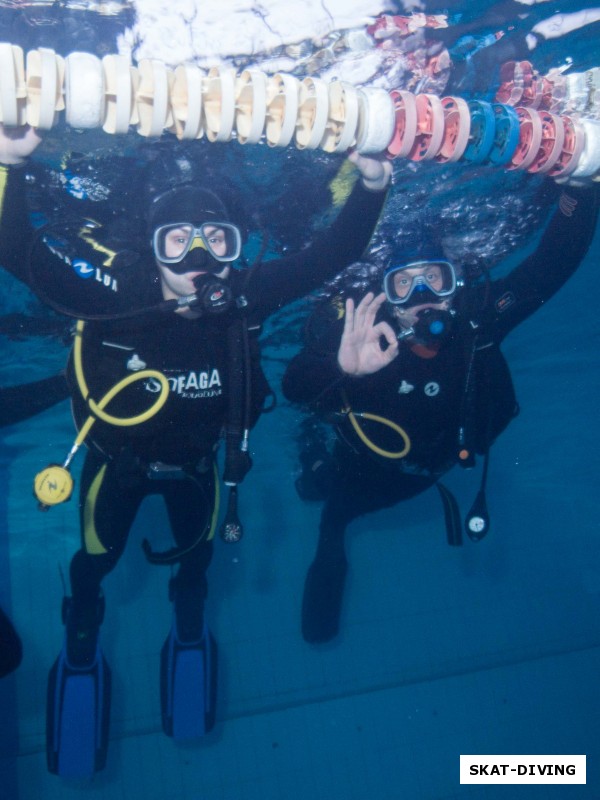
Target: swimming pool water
{"type": "Point", "coordinates": [489, 648]}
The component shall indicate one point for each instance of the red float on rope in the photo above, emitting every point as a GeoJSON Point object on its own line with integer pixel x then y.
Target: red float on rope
{"type": "Point", "coordinates": [553, 138]}
{"type": "Point", "coordinates": [530, 138]}
{"type": "Point", "coordinates": [406, 124]}
{"type": "Point", "coordinates": [430, 128]}
{"type": "Point", "coordinates": [516, 78]}
{"type": "Point", "coordinates": [457, 126]}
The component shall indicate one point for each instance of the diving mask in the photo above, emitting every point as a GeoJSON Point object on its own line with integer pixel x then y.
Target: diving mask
{"type": "Point", "coordinates": [419, 283]}
{"type": "Point", "coordinates": [172, 243]}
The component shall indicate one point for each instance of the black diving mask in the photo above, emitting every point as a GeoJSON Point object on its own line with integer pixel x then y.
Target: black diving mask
{"type": "Point", "coordinates": [220, 242]}
{"type": "Point", "coordinates": [419, 283]}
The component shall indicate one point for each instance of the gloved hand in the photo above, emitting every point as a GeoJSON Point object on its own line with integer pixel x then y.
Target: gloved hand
{"type": "Point", "coordinates": [376, 171]}
{"type": "Point", "coordinates": [17, 144]}
{"type": "Point", "coordinates": [237, 464]}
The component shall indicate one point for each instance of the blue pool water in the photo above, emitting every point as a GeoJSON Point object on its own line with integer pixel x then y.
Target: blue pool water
{"type": "Point", "coordinates": [492, 648]}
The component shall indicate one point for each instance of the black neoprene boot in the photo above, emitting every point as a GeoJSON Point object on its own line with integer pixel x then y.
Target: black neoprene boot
{"type": "Point", "coordinates": [322, 600]}
{"type": "Point", "coordinates": [82, 628]}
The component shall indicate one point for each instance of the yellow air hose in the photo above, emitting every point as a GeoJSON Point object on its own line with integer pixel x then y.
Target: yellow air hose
{"type": "Point", "coordinates": [347, 410]}
{"type": "Point", "coordinates": [54, 484]}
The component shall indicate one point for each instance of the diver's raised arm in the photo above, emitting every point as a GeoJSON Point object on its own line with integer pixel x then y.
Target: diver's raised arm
{"type": "Point", "coordinates": [562, 248]}
{"type": "Point", "coordinates": [275, 283]}
{"type": "Point", "coordinates": [16, 145]}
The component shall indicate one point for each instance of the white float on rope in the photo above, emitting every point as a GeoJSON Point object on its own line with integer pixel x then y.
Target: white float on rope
{"type": "Point", "coordinates": [45, 79]}
{"type": "Point", "coordinates": [313, 112]}
{"type": "Point", "coordinates": [186, 102]}
{"type": "Point", "coordinates": [589, 162]}
{"type": "Point", "coordinates": [13, 90]}
{"type": "Point", "coordinates": [122, 82]}
{"type": "Point", "coordinates": [283, 99]}
{"type": "Point", "coordinates": [219, 104]}
{"type": "Point", "coordinates": [152, 98]}
{"type": "Point", "coordinates": [84, 91]}
{"type": "Point", "coordinates": [251, 106]}
{"type": "Point", "coordinates": [376, 121]}
{"type": "Point", "coordinates": [342, 124]}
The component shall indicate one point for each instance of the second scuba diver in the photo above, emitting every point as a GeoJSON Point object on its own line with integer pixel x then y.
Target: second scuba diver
{"type": "Point", "coordinates": [414, 382]}
{"type": "Point", "coordinates": [183, 312]}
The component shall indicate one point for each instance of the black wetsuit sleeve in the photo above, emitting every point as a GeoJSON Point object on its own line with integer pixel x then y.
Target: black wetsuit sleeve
{"type": "Point", "coordinates": [15, 231]}
{"type": "Point", "coordinates": [313, 375]}
{"type": "Point", "coordinates": [18, 403]}
{"type": "Point", "coordinates": [273, 284]}
{"type": "Point", "coordinates": [561, 250]}
{"type": "Point", "coordinates": [64, 265]}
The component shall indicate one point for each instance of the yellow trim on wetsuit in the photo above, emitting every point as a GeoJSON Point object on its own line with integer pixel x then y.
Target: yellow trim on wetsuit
{"type": "Point", "coordinates": [93, 545]}
{"type": "Point", "coordinates": [3, 182]}
{"type": "Point", "coordinates": [342, 183]}
{"type": "Point", "coordinates": [86, 235]}
{"type": "Point", "coordinates": [339, 307]}
{"type": "Point", "coordinates": [92, 542]}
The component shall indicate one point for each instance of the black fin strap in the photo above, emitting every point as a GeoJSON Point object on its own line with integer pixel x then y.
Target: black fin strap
{"type": "Point", "coordinates": [451, 515]}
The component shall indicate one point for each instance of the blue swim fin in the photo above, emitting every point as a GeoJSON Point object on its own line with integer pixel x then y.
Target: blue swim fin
{"type": "Point", "coordinates": [188, 685]}
{"type": "Point", "coordinates": [77, 717]}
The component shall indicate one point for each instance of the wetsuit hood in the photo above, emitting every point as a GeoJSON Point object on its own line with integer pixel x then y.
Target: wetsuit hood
{"type": "Point", "coordinates": [186, 204]}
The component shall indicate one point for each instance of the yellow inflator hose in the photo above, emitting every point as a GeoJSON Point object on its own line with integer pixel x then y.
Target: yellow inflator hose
{"type": "Point", "coordinates": [97, 409]}
{"type": "Point", "coordinates": [347, 410]}
{"type": "Point", "coordinates": [54, 484]}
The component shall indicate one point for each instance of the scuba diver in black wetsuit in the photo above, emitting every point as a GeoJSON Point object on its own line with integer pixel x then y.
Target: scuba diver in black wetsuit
{"type": "Point", "coordinates": [414, 382]}
{"type": "Point", "coordinates": [184, 312]}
